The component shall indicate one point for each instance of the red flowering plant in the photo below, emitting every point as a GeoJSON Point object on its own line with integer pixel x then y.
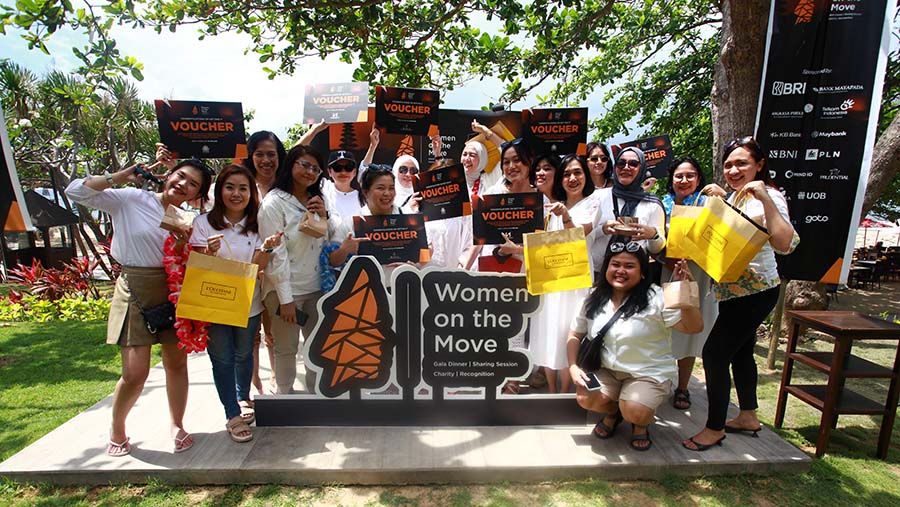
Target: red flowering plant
{"type": "Point", "coordinates": [192, 334]}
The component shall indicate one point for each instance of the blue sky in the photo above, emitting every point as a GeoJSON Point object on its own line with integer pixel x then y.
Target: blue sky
{"type": "Point", "coordinates": [179, 66]}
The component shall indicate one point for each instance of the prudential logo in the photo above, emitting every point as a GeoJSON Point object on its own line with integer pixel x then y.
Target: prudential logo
{"type": "Point", "coordinates": [780, 88]}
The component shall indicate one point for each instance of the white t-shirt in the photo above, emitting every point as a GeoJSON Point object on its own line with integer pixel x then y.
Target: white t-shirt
{"type": "Point", "coordinates": [640, 345]}
{"type": "Point", "coordinates": [236, 246]}
{"type": "Point", "coordinates": [136, 214]}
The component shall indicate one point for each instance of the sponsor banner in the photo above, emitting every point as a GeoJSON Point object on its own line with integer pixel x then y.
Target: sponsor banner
{"type": "Point", "coordinates": [657, 151]}
{"type": "Point", "coordinates": [444, 193]}
{"type": "Point", "coordinates": [13, 209]}
{"type": "Point", "coordinates": [202, 129]}
{"type": "Point", "coordinates": [456, 130]}
{"type": "Point", "coordinates": [820, 92]}
{"type": "Point", "coordinates": [410, 111]}
{"type": "Point", "coordinates": [354, 137]}
{"type": "Point", "coordinates": [512, 214]}
{"type": "Point", "coordinates": [393, 238]}
{"type": "Point", "coordinates": [336, 103]}
{"type": "Point", "coordinates": [556, 131]}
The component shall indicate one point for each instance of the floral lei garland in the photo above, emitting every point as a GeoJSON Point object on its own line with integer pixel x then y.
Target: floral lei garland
{"type": "Point", "coordinates": [192, 334]}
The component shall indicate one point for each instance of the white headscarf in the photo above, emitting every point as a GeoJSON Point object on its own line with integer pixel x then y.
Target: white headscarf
{"type": "Point", "coordinates": [403, 193]}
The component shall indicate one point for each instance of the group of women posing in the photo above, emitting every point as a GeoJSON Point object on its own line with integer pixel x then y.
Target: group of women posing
{"type": "Point", "coordinates": [256, 217]}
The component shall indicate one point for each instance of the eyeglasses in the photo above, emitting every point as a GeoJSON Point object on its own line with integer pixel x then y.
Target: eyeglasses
{"type": "Point", "coordinates": [306, 166]}
{"type": "Point", "coordinates": [343, 168]}
{"type": "Point", "coordinates": [408, 169]}
{"type": "Point", "coordinates": [619, 247]}
{"type": "Point", "coordinates": [515, 142]}
{"type": "Point", "coordinates": [634, 164]}
{"type": "Point", "coordinates": [601, 158]}
{"type": "Point", "coordinates": [685, 176]}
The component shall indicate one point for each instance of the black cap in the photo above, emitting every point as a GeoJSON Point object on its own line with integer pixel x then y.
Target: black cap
{"type": "Point", "coordinates": [340, 156]}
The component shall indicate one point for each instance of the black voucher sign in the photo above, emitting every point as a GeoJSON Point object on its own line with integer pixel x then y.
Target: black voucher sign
{"type": "Point", "coordinates": [657, 152]}
{"type": "Point", "coordinates": [202, 129]}
{"type": "Point", "coordinates": [444, 193]}
{"type": "Point", "coordinates": [336, 103]}
{"type": "Point", "coordinates": [817, 121]}
{"type": "Point", "coordinates": [393, 238]}
{"type": "Point", "coordinates": [556, 131]}
{"type": "Point", "coordinates": [407, 110]}
{"type": "Point", "coordinates": [512, 214]}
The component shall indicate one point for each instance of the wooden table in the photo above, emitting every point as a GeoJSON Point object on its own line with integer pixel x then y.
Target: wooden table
{"type": "Point", "coordinates": [833, 399]}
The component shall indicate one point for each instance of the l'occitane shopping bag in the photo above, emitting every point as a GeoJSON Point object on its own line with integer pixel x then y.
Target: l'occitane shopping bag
{"type": "Point", "coordinates": [556, 261]}
{"type": "Point", "coordinates": [217, 290]}
{"type": "Point", "coordinates": [723, 240]}
{"type": "Point", "coordinates": [679, 223]}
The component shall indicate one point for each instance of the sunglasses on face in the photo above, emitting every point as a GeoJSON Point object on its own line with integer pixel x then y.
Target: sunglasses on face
{"type": "Point", "coordinates": [634, 164]}
{"type": "Point", "coordinates": [343, 168]}
{"type": "Point", "coordinates": [601, 158]}
{"type": "Point", "coordinates": [619, 247]}
{"type": "Point", "coordinates": [410, 169]}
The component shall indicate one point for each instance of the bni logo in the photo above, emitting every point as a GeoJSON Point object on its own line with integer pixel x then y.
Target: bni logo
{"type": "Point", "coordinates": [781, 88]}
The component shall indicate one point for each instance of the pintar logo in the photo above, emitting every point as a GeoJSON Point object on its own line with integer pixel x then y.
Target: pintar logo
{"type": "Point", "coordinates": [803, 10]}
{"type": "Point", "coordinates": [354, 342]}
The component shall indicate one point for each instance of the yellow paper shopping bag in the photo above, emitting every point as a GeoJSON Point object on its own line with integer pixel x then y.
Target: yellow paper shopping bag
{"type": "Point", "coordinates": [217, 290]}
{"type": "Point", "coordinates": [723, 240]}
{"type": "Point", "coordinates": [682, 219]}
{"type": "Point", "coordinates": [556, 261]}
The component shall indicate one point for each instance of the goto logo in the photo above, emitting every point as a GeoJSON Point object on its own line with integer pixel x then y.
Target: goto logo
{"type": "Point", "coordinates": [816, 218]}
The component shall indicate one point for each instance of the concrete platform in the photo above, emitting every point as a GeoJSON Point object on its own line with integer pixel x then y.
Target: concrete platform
{"type": "Point", "coordinates": [74, 453]}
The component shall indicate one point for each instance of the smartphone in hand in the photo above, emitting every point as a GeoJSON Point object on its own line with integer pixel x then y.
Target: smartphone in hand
{"type": "Point", "coordinates": [593, 383]}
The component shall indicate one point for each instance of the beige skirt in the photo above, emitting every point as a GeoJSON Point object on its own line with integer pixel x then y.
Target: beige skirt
{"type": "Point", "coordinates": [126, 326]}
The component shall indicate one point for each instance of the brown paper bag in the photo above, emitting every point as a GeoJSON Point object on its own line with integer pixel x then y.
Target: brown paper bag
{"type": "Point", "coordinates": [313, 225]}
{"type": "Point", "coordinates": [175, 220]}
{"type": "Point", "coordinates": [683, 294]}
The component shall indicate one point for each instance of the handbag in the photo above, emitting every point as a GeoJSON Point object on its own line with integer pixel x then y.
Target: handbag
{"type": "Point", "coordinates": [680, 294]}
{"type": "Point", "coordinates": [557, 261]}
{"type": "Point", "coordinates": [217, 290]}
{"type": "Point", "coordinates": [498, 263]}
{"type": "Point", "coordinates": [156, 318]}
{"type": "Point", "coordinates": [723, 240]}
{"type": "Point", "coordinates": [313, 225]}
{"type": "Point", "coordinates": [590, 350]}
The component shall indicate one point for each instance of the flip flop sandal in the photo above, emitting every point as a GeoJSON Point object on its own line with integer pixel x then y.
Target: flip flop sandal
{"type": "Point", "coordinates": [682, 399]}
{"type": "Point", "coordinates": [608, 430]}
{"type": "Point", "coordinates": [641, 438]}
{"type": "Point", "coordinates": [118, 449]}
{"type": "Point", "coordinates": [511, 387]}
{"type": "Point", "coordinates": [180, 445]}
{"type": "Point", "coordinates": [238, 430]}
{"type": "Point", "coordinates": [248, 411]}
{"type": "Point", "coordinates": [701, 447]}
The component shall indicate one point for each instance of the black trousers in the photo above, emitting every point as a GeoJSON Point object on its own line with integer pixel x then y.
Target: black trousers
{"type": "Point", "coordinates": [731, 341]}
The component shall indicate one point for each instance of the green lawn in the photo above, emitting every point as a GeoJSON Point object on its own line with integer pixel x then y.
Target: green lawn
{"type": "Point", "coordinates": [50, 372]}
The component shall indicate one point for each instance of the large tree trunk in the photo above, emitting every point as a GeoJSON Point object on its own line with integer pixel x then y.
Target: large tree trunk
{"type": "Point", "coordinates": [735, 93]}
{"type": "Point", "coordinates": [885, 164]}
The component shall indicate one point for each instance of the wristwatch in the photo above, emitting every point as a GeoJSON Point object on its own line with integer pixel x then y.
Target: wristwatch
{"type": "Point", "coordinates": [109, 178]}
{"type": "Point", "coordinates": [268, 250]}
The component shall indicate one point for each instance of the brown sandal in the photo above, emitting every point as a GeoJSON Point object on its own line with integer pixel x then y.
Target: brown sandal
{"type": "Point", "coordinates": [248, 411]}
{"type": "Point", "coordinates": [238, 430]}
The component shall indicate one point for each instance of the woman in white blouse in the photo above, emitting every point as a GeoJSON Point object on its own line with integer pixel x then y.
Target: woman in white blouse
{"type": "Point", "coordinates": [292, 284]}
{"type": "Point", "coordinates": [637, 366]}
{"type": "Point", "coordinates": [138, 246]}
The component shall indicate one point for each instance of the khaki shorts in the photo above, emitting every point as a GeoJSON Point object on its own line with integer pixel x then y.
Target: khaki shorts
{"type": "Point", "coordinates": [647, 391]}
{"type": "Point", "coordinates": [126, 326]}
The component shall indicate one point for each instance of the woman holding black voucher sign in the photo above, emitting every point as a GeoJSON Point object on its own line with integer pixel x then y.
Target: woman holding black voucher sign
{"type": "Point", "coordinates": [292, 288]}
{"type": "Point", "coordinates": [138, 246]}
{"type": "Point", "coordinates": [744, 304]}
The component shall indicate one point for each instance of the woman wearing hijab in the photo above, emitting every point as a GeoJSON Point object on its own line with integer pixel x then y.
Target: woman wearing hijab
{"type": "Point", "coordinates": [625, 202]}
